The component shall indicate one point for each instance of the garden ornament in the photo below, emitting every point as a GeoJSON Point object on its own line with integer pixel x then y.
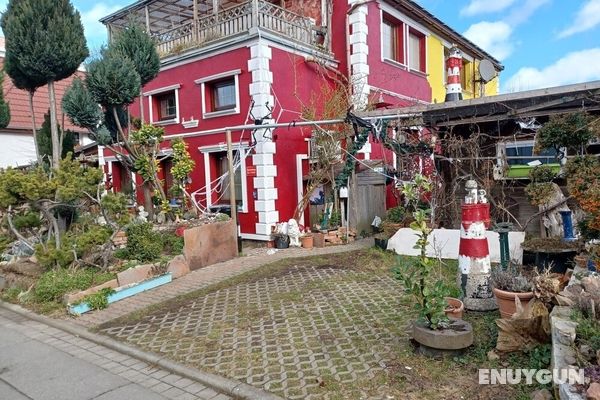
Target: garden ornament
{"type": "Point", "coordinates": [294, 233]}
{"type": "Point", "coordinates": [142, 214]}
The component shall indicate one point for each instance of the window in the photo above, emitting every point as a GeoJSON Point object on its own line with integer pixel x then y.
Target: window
{"type": "Point", "coordinates": [416, 51]}
{"type": "Point", "coordinates": [466, 76]}
{"type": "Point", "coordinates": [163, 105]}
{"type": "Point", "coordinates": [167, 106]}
{"type": "Point", "coordinates": [220, 94]}
{"type": "Point", "coordinates": [517, 158]}
{"type": "Point", "coordinates": [522, 153]}
{"type": "Point", "coordinates": [223, 190]}
{"type": "Point", "coordinates": [223, 95]}
{"type": "Point", "coordinates": [392, 40]}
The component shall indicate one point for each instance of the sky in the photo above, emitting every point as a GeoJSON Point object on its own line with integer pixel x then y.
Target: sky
{"type": "Point", "coordinates": [541, 43]}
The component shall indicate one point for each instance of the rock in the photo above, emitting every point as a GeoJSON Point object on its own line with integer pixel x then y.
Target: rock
{"type": "Point", "coordinates": [210, 243]}
{"type": "Point", "coordinates": [20, 249]}
{"type": "Point", "coordinates": [492, 355]}
{"type": "Point", "coordinates": [178, 267]}
{"type": "Point", "coordinates": [161, 218]}
{"type": "Point", "coordinates": [593, 392]}
{"type": "Point", "coordinates": [570, 360]}
{"type": "Point", "coordinates": [71, 298]}
{"type": "Point", "coordinates": [591, 284]}
{"type": "Point", "coordinates": [587, 352]}
{"type": "Point", "coordinates": [543, 394]}
{"type": "Point", "coordinates": [135, 274]}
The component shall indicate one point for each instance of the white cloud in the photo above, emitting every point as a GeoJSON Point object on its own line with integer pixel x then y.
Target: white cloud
{"type": "Point", "coordinates": [493, 37]}
{"type": "Point", "coordinates": [576, 67]}
{"type": "Point", "coordinates": [496, 37]}
{"type": "Point", "coordinates": [95, 31]}
{"type": "Point", "coordinates": [476, 7]}
{"type": "Point", "coordinates": [588, 17]}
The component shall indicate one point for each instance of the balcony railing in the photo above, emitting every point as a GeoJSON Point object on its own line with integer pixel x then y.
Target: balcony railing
{"type": "Point", "coordinates": [233, 21]}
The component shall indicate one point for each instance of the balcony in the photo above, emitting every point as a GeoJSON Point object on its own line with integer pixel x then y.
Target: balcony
{"type": "Point", "coordinates": [194, 25]}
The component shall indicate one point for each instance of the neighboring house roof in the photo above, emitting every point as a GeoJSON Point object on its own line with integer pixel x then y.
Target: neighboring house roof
{"type": "Point", "coordinates": [20, 117]}
{"type": "Point", "coordinates": [410, 7]}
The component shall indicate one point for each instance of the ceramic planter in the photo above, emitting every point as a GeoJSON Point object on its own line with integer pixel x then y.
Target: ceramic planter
{"type": "Point", "coordinates": [307, 241]}
{"type": "Point", "coordinates": [455, 308]}
{"type": "Point", "coordinates": [506, 301]}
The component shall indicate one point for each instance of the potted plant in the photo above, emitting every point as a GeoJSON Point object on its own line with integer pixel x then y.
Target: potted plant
{"type": "Point", "coordinates": [282, 240]}
{"type": "Point", "coordinates": [508, 284]}
{"type": "Point", "coordinates": [307, 240]}
{"type": "Point", "coordinates": [436, 333]}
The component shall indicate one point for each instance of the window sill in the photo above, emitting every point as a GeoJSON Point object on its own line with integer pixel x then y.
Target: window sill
{"type": "Point", "coordinates": [166, 122]}
{"type": "Point", "coordinates": [394, 63]}
{"type": "Point", "coordinates": [214, 114]}
{"type": "Point", "coordinates": [418, 73]}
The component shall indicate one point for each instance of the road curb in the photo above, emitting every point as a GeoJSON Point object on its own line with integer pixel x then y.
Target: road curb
{"type": "Point", "coordinates": [236, 389]}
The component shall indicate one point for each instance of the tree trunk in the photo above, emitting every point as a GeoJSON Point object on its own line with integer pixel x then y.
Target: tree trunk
{"type": "Point", "coordinates": [34, 129]}
{"type": "Point", "coordinates": [56, 150]}
{"type": "Point", "coordinates": [142, 105]}
{"type": "Point", "coordinates": [148, 205]}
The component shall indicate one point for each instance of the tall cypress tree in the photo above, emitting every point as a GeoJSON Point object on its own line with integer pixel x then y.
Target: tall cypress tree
{"type": "Point", "coordinates": [135, 44]}
{"type": "Point", "coordinates": [44, 137]}
{"type": "Point", "coordinates": [44, 44]}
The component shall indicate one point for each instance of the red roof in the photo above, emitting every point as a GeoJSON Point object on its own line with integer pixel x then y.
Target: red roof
{"type": "Point", "coordinates": [19, 101]}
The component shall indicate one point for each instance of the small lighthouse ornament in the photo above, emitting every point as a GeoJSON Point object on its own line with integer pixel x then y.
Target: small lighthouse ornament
{"type": "Point", "coordinates": [453, 68]}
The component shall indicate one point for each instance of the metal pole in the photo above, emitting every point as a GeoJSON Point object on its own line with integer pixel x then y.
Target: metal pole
{"type": "Point", "coordinates": [232, 200]}
{"type": "Point", "coordinates": [291, 124]}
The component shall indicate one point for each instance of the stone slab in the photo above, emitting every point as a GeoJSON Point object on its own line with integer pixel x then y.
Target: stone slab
{"type": "Point", "coordinates": [71, 298]}
{"type": "Point", "coordinates": [458, 336]}
{"type": "Point", "coordinates": [135, 274]}
{"type": "Point", "coordinates": [210, 243]}
{"type": "Point", "coordinates": [563, 335]}
{"type": "Point", "coordinates": [178, 267]}
{"type": "Point", "coordinates": [444, 243]}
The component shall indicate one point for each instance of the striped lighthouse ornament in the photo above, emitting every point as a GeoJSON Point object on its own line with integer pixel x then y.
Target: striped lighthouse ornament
{"type": "Point", "coordinates": [453, 68]}
{"type": "Point", "coordinates": [474, 253]}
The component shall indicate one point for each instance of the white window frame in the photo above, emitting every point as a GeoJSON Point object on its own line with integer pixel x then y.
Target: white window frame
{"type": "Point", "coordinates": [206, 153]}
{"type": "Point", "coordinates": [502, 146]}
{"type": "Point", "coordinates": [408, 24]}
{"type": "Point", "coordinates": [160, 91]}
{"type": "Point", "coordinates": [203, 82]}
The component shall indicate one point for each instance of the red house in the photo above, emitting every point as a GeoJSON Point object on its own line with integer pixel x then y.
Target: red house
{"type": "Point", "coordinates": [231, 63]}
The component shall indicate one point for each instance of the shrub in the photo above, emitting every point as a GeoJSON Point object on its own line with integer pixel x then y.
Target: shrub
{"type": "Point", "coordinates": [143, 243]}
{"type": "Point", "coordinates": [99, 301]}
{"type": "Point", "coordinates": [172, 244]}
{"type": "Point", "coordinates": [80, 241]}
{"type": "Point", "coordinates": [396, 214]}
{"type": "Point", "coordinates": [53, 285]}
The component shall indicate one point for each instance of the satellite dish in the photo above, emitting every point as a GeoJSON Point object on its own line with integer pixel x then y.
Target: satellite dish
{"type": "Point", "coordinates": [486, 70]}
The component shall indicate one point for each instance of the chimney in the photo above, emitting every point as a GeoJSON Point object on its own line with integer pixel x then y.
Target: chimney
{"type": "Point", "coordinates": [453, 68]}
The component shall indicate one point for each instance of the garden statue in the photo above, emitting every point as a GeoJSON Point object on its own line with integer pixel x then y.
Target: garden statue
{"type": "Point", "coordinates": [142, 214]}
{"type": "Point", "coordinates": [294, 233]}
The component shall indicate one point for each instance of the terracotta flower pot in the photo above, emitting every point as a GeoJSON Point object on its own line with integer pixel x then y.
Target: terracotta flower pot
{"type": "Point", "coordinates": [455, 308]}
{"type": "Point", "coordinates": [307, 241]}
{"type": "Point", "coordinates": [506, 301]}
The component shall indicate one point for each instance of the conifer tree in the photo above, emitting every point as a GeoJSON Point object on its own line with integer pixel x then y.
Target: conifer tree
{"type": "Point", "coordinates": [4, 106]}
{"type": "Point", "coordinates": [44, 44]}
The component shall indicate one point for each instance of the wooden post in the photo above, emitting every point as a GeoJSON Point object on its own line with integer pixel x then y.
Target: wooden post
{"type": "Point", "coordinates": [232, 201]}
{"type": "Point", "coordinates": [215, 4]}
{"type": "Point", "coordinates": [147, 19]}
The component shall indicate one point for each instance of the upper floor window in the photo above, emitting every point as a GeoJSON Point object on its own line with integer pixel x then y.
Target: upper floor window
{"type": "Point", "coordinates": [220, 94]}
{"type": "Point", "coordinates": [163, 105]}
{"type": "Point", "coordinates": [223, 95]}
{"type": "Point", "coordinates": [392, 43]}
{"type": "Point", "coordinates": [416, 51]}
{"type": "Point", "coordinates": [167, 106]}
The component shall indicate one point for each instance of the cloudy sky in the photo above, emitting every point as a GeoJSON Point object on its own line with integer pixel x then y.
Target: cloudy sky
{"type": "Point", "coordinates": [541, 42]}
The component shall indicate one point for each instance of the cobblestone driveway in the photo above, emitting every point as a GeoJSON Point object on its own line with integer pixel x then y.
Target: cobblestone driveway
{"type": "Point", "coordinates": [303, 331]}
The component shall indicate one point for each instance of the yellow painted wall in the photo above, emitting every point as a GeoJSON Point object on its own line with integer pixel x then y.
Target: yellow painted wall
{"type": "Point", "coordinates": [436, 78]}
